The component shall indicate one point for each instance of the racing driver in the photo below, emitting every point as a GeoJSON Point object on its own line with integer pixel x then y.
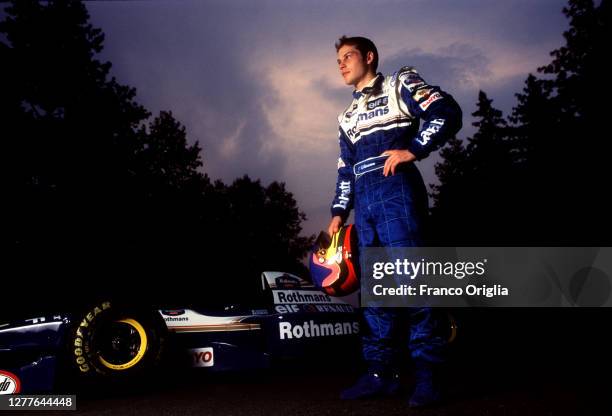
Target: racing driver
{"type": "Point", "coordinates": [380, 140]}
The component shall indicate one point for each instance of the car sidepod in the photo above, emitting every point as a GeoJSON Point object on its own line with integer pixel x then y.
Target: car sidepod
{"type": "Point", "coordinates": [296, 320]}
{"type": "Point", "coordinates": [307, 321]}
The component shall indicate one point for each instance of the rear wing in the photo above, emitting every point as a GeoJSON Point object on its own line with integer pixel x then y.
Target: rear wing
{"type": "Point", "coordinates": [289, 288]}
{"type": "Point", "coordinates": [282, 280]}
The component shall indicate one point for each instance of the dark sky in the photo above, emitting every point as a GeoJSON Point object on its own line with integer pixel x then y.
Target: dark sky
{"type": "Point", "coordinates": [256, 83]}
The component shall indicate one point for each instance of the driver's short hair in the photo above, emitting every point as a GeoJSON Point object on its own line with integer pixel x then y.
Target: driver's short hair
{"type": "Point", "coordinates": [363, 45]}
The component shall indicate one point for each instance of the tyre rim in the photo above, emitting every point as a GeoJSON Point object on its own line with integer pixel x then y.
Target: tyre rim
{"type": "Point", "coordinates": [124, 344]}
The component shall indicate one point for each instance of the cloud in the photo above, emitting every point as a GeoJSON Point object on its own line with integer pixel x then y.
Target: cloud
{"type": "Point", "coordinates": [194, 61]}
{"type": "Point", "coordinates": [458, 66]}
{"type": "Point", "coordinates": [256, 82]}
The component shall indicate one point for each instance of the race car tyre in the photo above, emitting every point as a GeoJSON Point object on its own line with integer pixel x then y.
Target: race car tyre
{"type": "Point", "coordinates": [113, 341]}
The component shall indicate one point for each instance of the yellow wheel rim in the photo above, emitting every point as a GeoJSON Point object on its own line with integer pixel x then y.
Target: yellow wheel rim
{"type": "Point", "coordinates": [141, 349]}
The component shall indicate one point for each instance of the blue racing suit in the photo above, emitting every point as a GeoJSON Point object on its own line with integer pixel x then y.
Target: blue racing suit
{"type": "Point", "coordinates": [391, 211]}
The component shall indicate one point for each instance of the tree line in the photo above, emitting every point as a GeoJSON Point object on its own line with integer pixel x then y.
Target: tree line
{"type": "Point", "coordinates": [101, 193]}
{"type": "Point", "coordinates": [96, 186]}
{"type": "Point", "coordinates": [539, 176]}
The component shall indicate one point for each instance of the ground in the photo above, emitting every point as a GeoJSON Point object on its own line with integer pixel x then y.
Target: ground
{"type": "Point", "coordinates": [506, 362]}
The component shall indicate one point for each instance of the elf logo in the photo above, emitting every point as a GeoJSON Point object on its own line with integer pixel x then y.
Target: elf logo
{"type": "Point", "coordinates": [9, 383]}
{"type": "Point", "coordinates": [202, 357]}
{"type": "Point", "coordinates": [379, 102]}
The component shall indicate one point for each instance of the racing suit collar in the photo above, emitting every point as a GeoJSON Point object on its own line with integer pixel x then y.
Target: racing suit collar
{"type": "Point", "coordinates": [373, 85]}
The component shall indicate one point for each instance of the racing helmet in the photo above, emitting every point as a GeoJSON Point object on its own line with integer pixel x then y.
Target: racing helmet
{"type": "Point", "coordinates": [334, 265]}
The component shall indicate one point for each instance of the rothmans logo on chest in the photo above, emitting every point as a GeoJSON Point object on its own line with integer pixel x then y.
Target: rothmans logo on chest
{"type": "Point", "coordinates": [377, 107]}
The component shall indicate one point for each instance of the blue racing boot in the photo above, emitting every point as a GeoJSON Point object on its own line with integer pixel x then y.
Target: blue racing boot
{"type": "Point", "coordinates": [369, 385]}
{"type": "Point", "coordinates": [427, 389]}
{"type": "Point", "coordinates": [393, 384]}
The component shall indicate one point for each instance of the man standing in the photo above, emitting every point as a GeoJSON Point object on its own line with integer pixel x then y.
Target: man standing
{"type": "Point", "coordinates": [379, 140]}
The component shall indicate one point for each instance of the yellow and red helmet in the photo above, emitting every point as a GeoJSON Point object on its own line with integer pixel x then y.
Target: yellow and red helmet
{"type": "Point", "coordinates": [334, 265]}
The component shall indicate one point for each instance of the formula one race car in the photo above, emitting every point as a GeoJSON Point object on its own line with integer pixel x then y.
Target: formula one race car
{"type": "Point", "coordinates": [113, 340]}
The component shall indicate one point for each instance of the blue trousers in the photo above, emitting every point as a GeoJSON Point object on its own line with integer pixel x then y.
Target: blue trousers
{"type": "Point", "coordinates": [392, 212]}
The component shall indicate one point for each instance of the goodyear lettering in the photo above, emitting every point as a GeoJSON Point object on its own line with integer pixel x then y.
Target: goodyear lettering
{"type": "Point", "coordinates": [81, 347]}
{"type": "Point", "coordinates": [78, 352]}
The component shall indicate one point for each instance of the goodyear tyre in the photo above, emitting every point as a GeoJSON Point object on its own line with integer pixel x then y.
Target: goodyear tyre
{"type": "Point", "coordinates": [116, 342]}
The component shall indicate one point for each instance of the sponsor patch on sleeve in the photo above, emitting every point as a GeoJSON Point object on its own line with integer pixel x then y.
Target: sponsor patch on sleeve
{"type": "Point", "coordinates": [434, 127]}
{"type": "Point", "coordinates": [412, 87]}
{"type": "Point", "coordinates": [432, 98]}
{"type": "Point", "coordinates": [422, 94]}
{"type": "Point", "coordinates": [410, 79]}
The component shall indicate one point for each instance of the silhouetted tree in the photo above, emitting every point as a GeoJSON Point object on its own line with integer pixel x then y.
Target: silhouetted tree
{"type": "Point", "coordinates": [559, 124]}
{"type": "Point", "coordinates": [267, 222]}
{"type": "Point", "coordinates": [447, 216]}
{"type": "Point", "coordinates": [171, 190]}
{"type": "Point", "coordinates": [535, 134]}
{"type": "Point", "coordinates": [471, 203]}
{"type": "Point", "coordinates": [104, 199]}
{"type": "Point", "coordinates": [541, 179]}
{"type": "Point", "coordinates": [69, 135]}
{"type": "Point", "coordinates": [583, 147]}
